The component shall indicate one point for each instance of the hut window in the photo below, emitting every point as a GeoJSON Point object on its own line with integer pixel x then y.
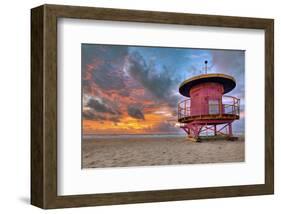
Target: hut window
{"type": "Point", "coordinates": [213, 106]}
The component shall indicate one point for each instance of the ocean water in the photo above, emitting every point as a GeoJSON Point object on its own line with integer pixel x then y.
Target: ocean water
{"type": "Point", "coordinates": [120, 136]}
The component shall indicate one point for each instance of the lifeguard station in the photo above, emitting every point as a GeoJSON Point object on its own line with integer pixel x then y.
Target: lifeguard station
{"type": "Point", "coordinates": [207, 113]}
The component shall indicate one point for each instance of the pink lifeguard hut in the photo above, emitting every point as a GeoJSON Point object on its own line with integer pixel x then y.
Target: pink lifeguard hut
{"type": "Point", "coordinates": [207, 113]}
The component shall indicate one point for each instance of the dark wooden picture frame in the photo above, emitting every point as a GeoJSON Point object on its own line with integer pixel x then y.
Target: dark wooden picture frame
{"type": "Point", "coordinates": [44, 106]}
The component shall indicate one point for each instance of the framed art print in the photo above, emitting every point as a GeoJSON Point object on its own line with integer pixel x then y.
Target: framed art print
{"type": "Point", "coordinates": [140, 106]}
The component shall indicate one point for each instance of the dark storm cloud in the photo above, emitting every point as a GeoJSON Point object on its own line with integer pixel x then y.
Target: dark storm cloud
{"type": "Point", "coordinates": [108, 80]}
{"type": "Point", "coordinates": [104, 52]}
{"type": "Point", "coordinates": [103, 106]}
{"type": "Point", "coordinates": [124, 93]}
{"type": "Point", "coordinates": [105, 65]}
{"type": "Point", "coordinates": [135, 112]}
{"type": "Point", "coordinates": [91, 115]}
{"type": "Point", "coordinates": [160, 84]}
{"type": "Point", "coordinates": [99, 107]}
{"type": "Point", "coordinates": [106, 71]}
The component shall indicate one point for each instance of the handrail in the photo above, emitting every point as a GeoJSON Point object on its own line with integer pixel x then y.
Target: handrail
{"type": "Point", "coordinates": [227, 105]}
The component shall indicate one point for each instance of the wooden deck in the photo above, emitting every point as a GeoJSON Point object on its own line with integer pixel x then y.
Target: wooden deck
{"type": "Point", "coordinates": [215, 118]}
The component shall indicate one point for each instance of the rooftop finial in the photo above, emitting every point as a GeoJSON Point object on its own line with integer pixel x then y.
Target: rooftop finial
{"type": "Point", "coordinates": [206, 68]}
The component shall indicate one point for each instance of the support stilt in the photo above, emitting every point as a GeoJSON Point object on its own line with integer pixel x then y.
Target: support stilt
{"type": "Point", "coordinates": [195, 132]}
{"type": "Point", "coordinates": [215, 130]}
{"type": "Point", "coordinates": [230, 129]}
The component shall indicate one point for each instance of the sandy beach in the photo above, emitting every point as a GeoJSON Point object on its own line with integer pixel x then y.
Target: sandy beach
{"type": "Point", "coordinates": [150, 151]}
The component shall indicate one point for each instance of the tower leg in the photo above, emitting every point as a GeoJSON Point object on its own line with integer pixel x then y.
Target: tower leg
{"type": "Point", "coordinates": [197, 130]}
{"type": "Point", "coordinates": [215, 130]}
{"type": "Point", "coordinates": [193, 132]}
{"type": "Point", "coordinates": [230, 129]}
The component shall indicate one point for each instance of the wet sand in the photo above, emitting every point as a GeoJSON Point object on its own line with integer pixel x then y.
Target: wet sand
{"type": "Point", "coordinates": [150, 151]}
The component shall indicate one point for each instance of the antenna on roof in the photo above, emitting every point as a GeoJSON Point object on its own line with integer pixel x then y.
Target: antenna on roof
{"type": "Point", "coordinates": [206, 68]}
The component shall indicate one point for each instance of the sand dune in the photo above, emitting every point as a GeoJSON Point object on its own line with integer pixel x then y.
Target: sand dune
{"type": "Point", "coordinates": [149, 151]}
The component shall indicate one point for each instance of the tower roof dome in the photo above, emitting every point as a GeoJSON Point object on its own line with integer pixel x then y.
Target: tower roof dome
{"type": "Point", "coordinates": [228, 82]}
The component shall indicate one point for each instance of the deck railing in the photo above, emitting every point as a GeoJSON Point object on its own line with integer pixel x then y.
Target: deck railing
{"type": "Point", "coordinates": [227, 105]}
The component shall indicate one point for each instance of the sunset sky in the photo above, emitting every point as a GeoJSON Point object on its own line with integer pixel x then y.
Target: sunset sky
{"type": "Point", "coordinates": [134, 90]}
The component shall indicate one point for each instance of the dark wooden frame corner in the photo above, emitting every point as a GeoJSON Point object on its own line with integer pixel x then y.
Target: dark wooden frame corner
{"type": "Point", "coordinates": [44, 106]}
